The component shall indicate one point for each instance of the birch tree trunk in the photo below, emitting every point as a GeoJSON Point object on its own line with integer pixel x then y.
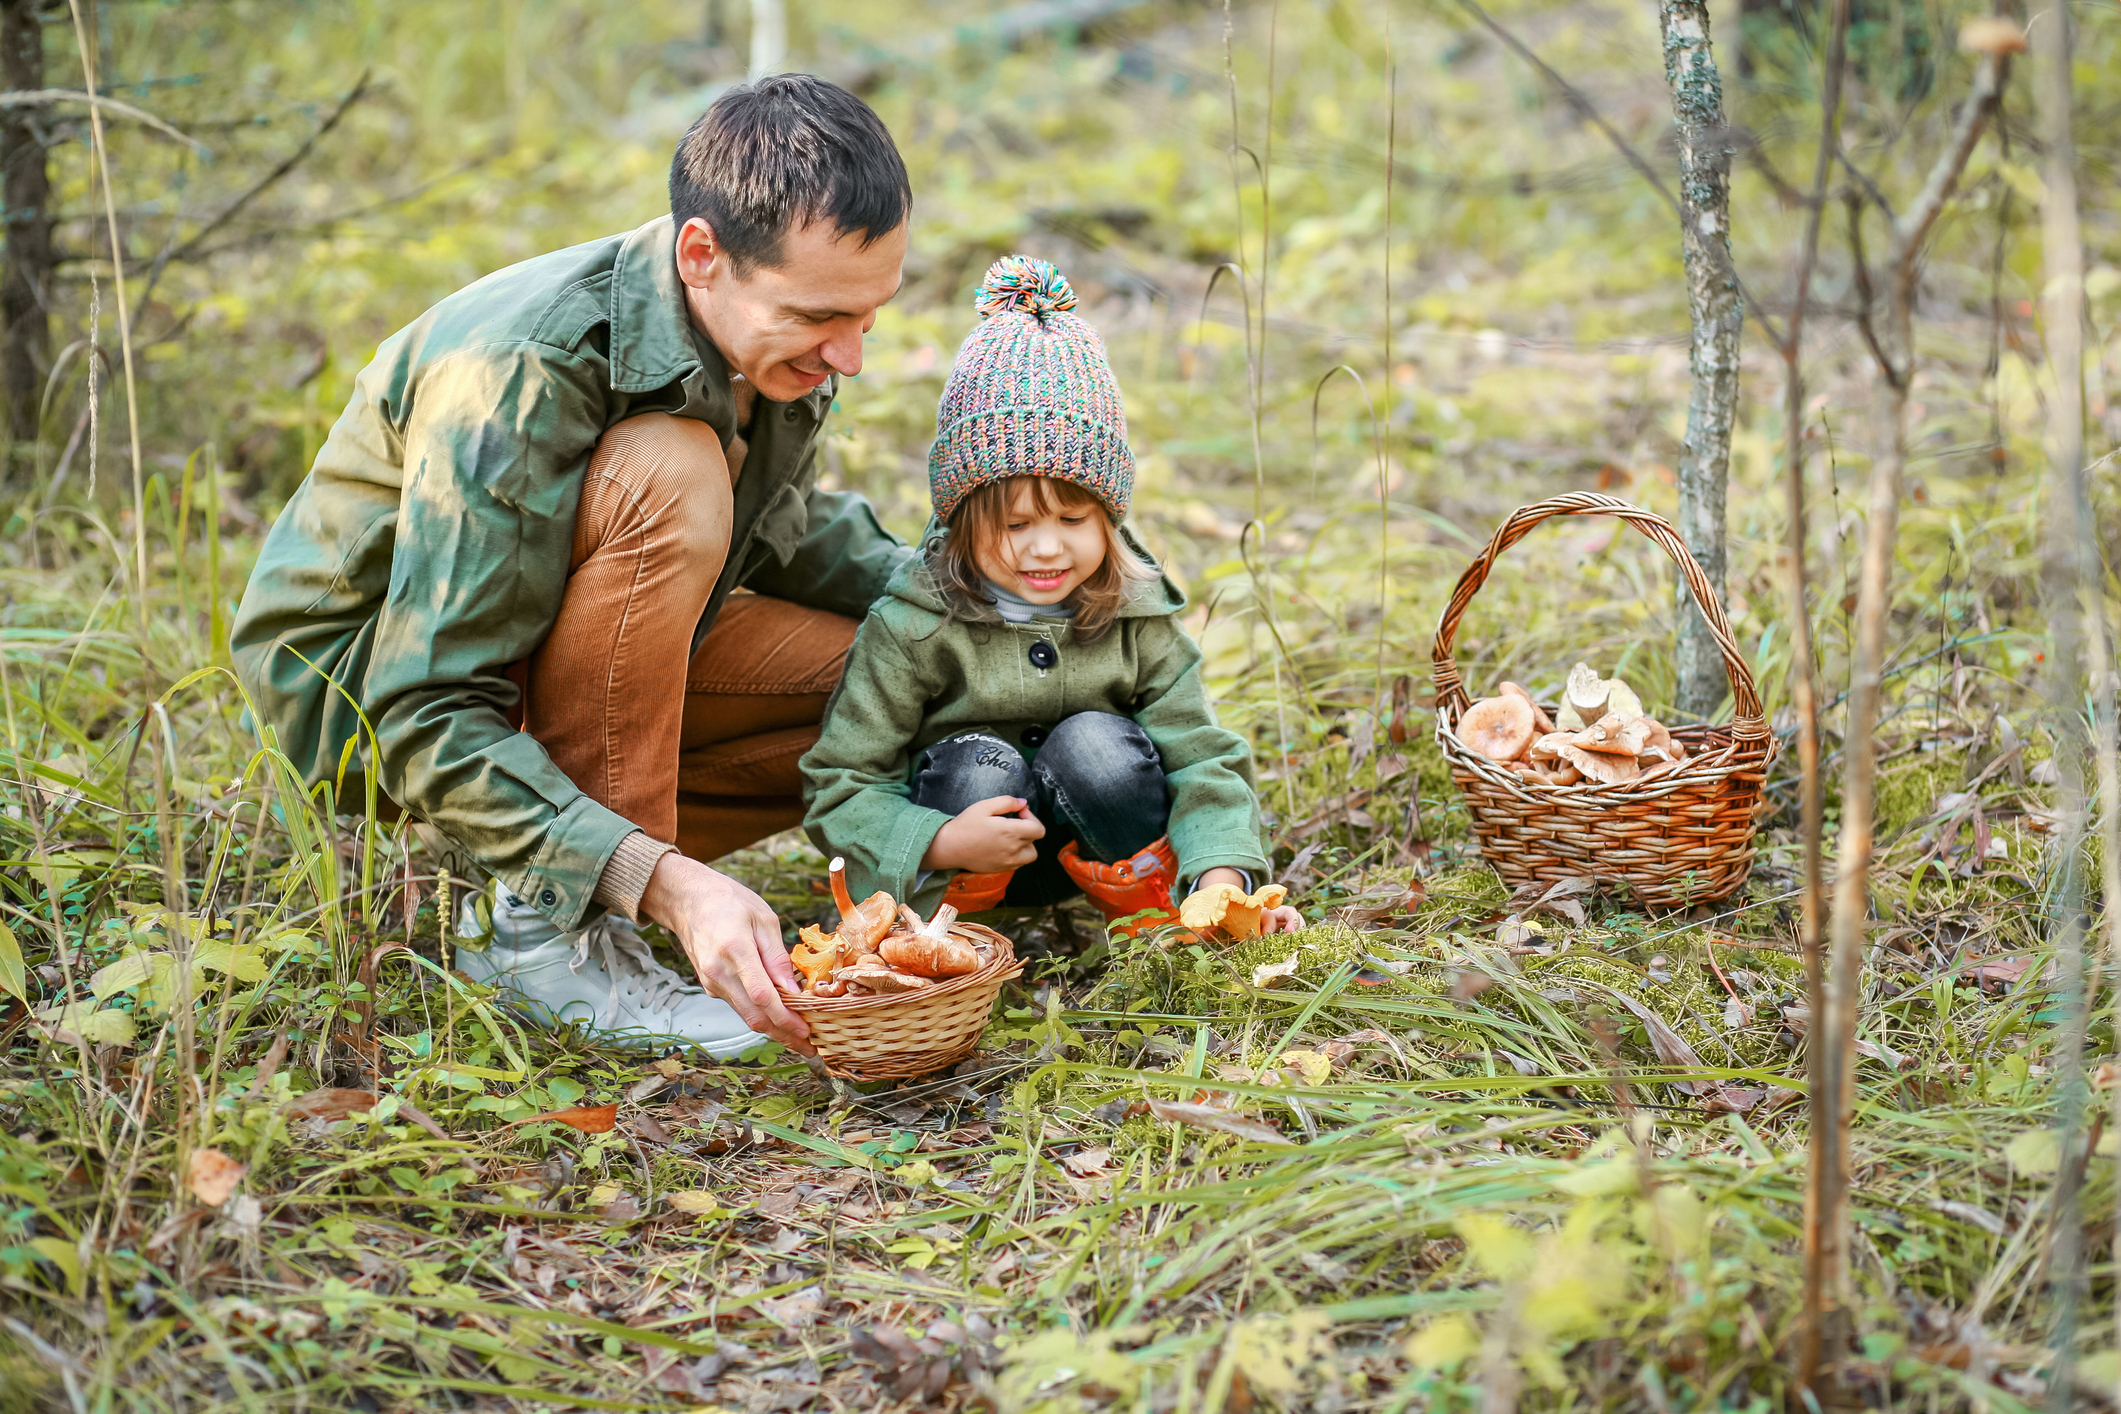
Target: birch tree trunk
{"type": "Point", "coordinates": [25, 190]}
{"type": "Point", "coordinates": [1718, 316]}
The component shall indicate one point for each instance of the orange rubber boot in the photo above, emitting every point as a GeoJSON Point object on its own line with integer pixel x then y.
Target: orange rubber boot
{"type": "Point", "coordinates": [1140, 885]}
{"type": "Point", "coordinates": [971, 893]}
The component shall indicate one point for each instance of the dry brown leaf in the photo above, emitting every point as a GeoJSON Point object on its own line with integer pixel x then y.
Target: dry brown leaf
{"type": "Point", "coordinates": [1209, 1117]}
{"type": "Point", "coordinates": [1089, 1163]}
{"type": "Point", "coordinates": [1269, 974]}
{"type": "Point", "coordinates": [331, 1102]}
{"type": "Point", "coordinates": [693, 1200]}
{"type": "Point", "coordinates": [589, 1119]}
{"type": "Point", "coordinates": [1670, 1046]}
{"type": "Point", "coordinates": [213, 1176]}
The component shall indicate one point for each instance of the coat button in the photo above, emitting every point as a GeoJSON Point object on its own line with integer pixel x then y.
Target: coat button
{"type": "Point", "coordinates": [1043, 655]}
{"type": "Point", "coordinates": [1033, 737]}
{"type": "Point", "coordinates": [791, 414]}
{"type": "Point", "coordinates": [548, 898]}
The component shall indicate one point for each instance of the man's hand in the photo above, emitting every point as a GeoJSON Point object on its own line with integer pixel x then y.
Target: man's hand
{"type": "Point", "coordinates": [987, 838]}
{"type": "Point", "coordinates": [734, 942]}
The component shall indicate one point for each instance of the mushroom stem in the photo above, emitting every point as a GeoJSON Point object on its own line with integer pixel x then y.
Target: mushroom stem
{"type": "Point", "coordinates": [841, 899]}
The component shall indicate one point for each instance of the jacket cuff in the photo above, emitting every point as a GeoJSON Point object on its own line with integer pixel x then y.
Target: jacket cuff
{"type": "Point", "coordinates": [626, 874]}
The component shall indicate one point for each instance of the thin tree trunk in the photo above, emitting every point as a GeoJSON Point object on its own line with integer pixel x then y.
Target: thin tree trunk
{"type": "Point", "coordinates": [2075, 589]}
{"type": "Point", "coordinates": [25, 188]}
{"type": "Point", "coordinates": [769, 37]}
{"type": "Point", "coordinates": [1717, 315]}
{"type": "Point", "coordinates": [1894, 353]}
{"type": "Point", "coordinates": [1816, 1342]}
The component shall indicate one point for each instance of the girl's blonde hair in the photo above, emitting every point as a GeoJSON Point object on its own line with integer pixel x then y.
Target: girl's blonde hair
{"type": "Point", "coordinates": [981, 521]}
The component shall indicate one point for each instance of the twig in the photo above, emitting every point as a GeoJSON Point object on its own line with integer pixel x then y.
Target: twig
{"type": "Point", "coordinates": [97, 104]}
{"type": "Point", "coordinates": [258, 188]}
{"type": "Point", "coordinates": [1813, 1338]}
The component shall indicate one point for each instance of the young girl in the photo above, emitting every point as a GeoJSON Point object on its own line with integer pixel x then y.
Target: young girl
{"type": "Point", "coordinates": [1022, 716]}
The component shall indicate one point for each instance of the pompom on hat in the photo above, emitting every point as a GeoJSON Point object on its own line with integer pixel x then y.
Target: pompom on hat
{"type": "Point", "coordinates": [1031, 394]}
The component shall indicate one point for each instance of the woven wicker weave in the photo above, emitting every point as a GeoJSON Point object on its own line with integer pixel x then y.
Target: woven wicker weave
{"type": "Point", "coordinates": [1683, 837]}
{"type": "Point", "coordinates": [909, 1033]}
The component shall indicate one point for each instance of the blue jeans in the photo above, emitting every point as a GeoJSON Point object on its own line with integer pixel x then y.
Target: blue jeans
{"type": "Point", "coordinates": [1095, 779]}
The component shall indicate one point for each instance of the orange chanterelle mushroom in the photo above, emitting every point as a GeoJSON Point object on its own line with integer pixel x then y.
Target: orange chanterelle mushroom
{"type": "Point", "coordinates": [882, 947]}
{"type": "Point", "coordinates": [1230, 908]}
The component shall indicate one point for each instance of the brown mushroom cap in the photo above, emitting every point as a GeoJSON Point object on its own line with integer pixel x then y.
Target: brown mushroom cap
{"type": "Point", "coordinates": [1541, 722]}
{"type": "Point", "coordinates": [1608, 735]}
{"type": "Point", "coordinates": [1546, 747]}
{"type": "Point", "coordinates": [1661, 739]}
{"type": "Point", "coordinates": [1607, 770]}
{"type": "Point", "coordinates": [1499, 728]}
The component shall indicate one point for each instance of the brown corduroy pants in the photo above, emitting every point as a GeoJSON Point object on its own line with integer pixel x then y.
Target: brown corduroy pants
{"type": "Point", "coordinates": [697, 748]}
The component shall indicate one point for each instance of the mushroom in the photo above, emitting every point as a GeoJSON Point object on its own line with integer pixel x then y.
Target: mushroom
{"type": "Point", "coordinates": [1499, 728]}
{"type": "Point", "coordinates": [815, 955]}
{"type": "Point", "coordinates": [883, 980]}
{"type": "Point", "coordinates": [929, 950]}
{"type": "Point", "coordinates": [1622, 699]}
{"type": "Point", "coordinates": [1662, 745]}
{"type": "Point", "coordinates": [1615, 735]}
{"type": "Point", "coordinates": [1605, 769]}
{"type": "Point", "coordinates": [861, 925]}
{"type": "Point", "coordinates": [1230, 908]}
{"type": "Point", "coordinates": [1585, 698]}
{"type": "Point", "coordinates": [1541, 722]}
{"type": "Point", "coordinates": [1546, 749]}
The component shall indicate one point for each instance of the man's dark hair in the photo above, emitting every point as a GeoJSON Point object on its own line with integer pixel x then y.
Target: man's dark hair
{"type": "Point", "coordinates": [780, 153]}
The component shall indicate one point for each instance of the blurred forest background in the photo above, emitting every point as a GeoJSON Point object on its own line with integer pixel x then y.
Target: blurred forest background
{"type": "Point", "coordinates": [1401, 197]}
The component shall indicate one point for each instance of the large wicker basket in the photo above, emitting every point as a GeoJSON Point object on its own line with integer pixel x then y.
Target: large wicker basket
{"type": "Point", "coordinates": [1680, 838]}
{"type": "Point", "coordinates": [909, 1033]}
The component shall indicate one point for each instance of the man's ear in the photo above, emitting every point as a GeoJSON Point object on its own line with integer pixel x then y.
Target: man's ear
{"type": "Point", "coordinates": [700, 253]}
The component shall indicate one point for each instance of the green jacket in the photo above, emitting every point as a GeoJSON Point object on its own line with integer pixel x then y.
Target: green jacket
{"type": "Point", "coordinates": [915, 678]}
{"type": "Point", "coordinates": [428, 548]}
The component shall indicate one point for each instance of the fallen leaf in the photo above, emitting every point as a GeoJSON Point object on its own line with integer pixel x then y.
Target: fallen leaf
{"type": "Point", "coordinates": [213, 1176]}
{"type": "Point", "coordinates": [1468, 983]}
{"type": "Point", "coordinates": [1732, 1100]}
{"type": "Point", "coordinates": [1884, 1054]}
{"type": "Point", "coordinates": [1319, 1264]}
{"type": "Point", "coordinates": [1736, 1014]}
{"type": "Point", "coordinates": [1670, 1046]}
{"type": "Point", "coordinates": [1088, 1163]}
{"type": "Point", "coordinates": [641, 1089]}
{"type": "Point", "coordinates": [331, 1102]}
{"type": "Point", "coordinates": [1996, 974]}
{"type": "Point", "coordinates": [695, 1200]}
{"type": "Point", "coordinates": [1311, 1066]}
{"type": "Point", "coordinates": [1268, 974]}
{"type": "Point", "coordinates": [622, 1209]}
{"type": "Point", "coordinates": [1209, 1117]}
{"type": "Point", "coordinates": [799, 1310]}
{"type": "Point", "coordinates": [590, 1119]}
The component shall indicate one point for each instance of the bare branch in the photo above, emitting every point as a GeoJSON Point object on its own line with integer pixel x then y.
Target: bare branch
{"type": "Point", "coordinates": [1866, 297]}
{"type": "Point", "coordinates": [264, 183]}
{"type": "Point", "coordinates": [1912, 228]}
{"type": "Point", "coordinates": [50, 97]}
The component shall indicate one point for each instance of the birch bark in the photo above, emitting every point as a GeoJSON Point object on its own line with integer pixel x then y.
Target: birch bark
{"type": "Point", "coordinates": [1717, 315]}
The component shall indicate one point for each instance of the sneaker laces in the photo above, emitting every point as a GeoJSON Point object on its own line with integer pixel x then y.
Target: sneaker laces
{"type": "Point", "coordinates": [625, 953]}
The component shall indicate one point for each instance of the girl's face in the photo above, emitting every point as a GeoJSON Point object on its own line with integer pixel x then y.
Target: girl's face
{"type": "Point", "coordinates": [1044, 556]}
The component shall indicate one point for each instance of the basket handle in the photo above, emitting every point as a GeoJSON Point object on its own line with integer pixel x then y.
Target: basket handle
{"type": "Point", "coordinates": [1747, 722]}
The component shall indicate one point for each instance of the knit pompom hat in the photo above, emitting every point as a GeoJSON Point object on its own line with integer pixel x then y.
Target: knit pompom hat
{"type": "Point", "coordinates": [1031, 394]}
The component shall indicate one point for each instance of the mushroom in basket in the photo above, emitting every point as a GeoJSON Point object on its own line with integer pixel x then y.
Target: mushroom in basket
{"type": "Point", "coordinates": [881, 947]}
{"type": "Point", "coordinates": [1600, 734]}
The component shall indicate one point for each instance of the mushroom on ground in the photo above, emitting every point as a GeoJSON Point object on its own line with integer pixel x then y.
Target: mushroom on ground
{"type": "Point", "coordinates": [1499, 728]}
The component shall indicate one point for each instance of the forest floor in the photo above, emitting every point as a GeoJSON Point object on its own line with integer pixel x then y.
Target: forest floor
{"type": "Point", "coordinates": [1465, 1149]}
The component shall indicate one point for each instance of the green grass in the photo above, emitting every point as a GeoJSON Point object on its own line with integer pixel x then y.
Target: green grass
{"type": "Point", "coordinates": [1433, 1221]}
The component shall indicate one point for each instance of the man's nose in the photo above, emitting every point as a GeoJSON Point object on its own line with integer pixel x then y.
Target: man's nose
{"type": "Point", "coordinates": [842, 349]}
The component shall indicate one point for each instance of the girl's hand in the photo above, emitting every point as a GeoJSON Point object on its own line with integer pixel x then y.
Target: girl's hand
{"type": "Point", "coordinates": [987, 838]}
{"type": "Point", "coordinates": [1274, 920]}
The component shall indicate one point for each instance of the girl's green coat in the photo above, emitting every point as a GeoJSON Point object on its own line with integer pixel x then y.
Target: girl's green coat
{"type": "Point", "coordinates": [914, 677]}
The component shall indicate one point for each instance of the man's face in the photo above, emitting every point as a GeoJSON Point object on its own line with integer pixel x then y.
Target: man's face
{"type": "Point", "coordinates": [787, 327]}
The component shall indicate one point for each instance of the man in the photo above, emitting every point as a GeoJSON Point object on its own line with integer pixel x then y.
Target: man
{"type": "Point", "coordinates": [564, 556]}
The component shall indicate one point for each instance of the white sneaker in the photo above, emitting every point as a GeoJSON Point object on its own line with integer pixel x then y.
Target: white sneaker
{"type": "Point", "coordinates": [602, 978]}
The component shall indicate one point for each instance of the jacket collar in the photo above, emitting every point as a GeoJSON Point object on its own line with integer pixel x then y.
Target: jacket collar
{"type": "Point", "coordinates": [653, 343]}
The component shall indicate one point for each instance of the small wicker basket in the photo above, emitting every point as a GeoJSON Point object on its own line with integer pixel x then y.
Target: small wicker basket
{"type": "Point", "coordinates": [1680, 838]}
{"type": "Point", "coordinates": [909, 1033]}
